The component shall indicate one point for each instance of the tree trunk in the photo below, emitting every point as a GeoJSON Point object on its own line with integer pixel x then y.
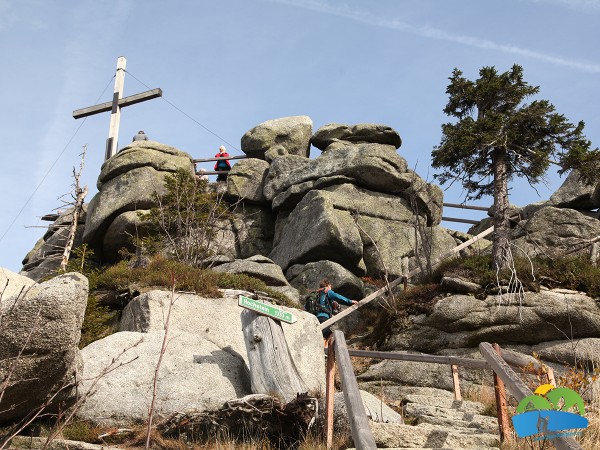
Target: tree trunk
{"type": "Point", "coordinates": [272, 370]}
{"type": "Point", "coordinates": [500, 249]}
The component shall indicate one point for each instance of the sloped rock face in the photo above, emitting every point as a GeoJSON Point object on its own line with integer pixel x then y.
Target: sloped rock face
{"type": "Point", "coordinates": [218, 321]}
{"type": "Point", "coordinates": [308, 276]}
{"type": "Point", "coordinates": [45, 257]}
{"type": "Point", "coordinates": [38, 341]}
{"type": "Point", "coordinates": [245, 180]}
{"type": "Point", "coordinates": [128, 182]}
{"type": "Point", "coordinates": [196, 374]}
{"type": "Point", "coordinates": [291, 133]}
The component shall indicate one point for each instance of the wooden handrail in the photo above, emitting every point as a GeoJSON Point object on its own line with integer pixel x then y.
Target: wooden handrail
{"type": "Point", "coordinates": [359, 422]}
{"type": "Point", "coordinates": [399, 280]}
{"type": "Point", "coordinates": [476, 208]}
{"type": "Point", "coordinates": [519, 389]}
{"type": "Point", "coordinates": [201, 160]}
{"type": "Point", "coordinates": [422, 357]}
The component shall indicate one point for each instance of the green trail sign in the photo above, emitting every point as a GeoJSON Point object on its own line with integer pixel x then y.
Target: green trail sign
{"type": "Point", "coordinates": [265, 309]}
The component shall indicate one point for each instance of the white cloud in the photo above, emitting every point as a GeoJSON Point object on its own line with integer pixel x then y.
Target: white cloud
{"type": "Point", "coordinates": [436, 33]}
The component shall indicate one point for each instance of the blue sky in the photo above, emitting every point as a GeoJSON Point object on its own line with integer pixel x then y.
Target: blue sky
{"type": "Point", "coordinates": [226, 66]}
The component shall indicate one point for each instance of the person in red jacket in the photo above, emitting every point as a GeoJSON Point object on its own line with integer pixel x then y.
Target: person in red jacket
{"type": "Point", "coordinates": [223, 164]}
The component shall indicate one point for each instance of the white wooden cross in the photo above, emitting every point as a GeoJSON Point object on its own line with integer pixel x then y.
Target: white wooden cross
{"type": "Point", "coordinates": [115, 106]}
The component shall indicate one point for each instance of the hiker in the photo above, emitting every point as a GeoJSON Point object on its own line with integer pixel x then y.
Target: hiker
{"type": "Point", "coordinates": [223, 164]}
{"type": "Point", "coordinates": [140, 136]}
{"type": "Point", "coordinates": [328, 304]}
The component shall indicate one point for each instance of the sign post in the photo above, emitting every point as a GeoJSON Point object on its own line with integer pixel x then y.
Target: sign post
{"type": "Point", "coordinates": [266, 309]}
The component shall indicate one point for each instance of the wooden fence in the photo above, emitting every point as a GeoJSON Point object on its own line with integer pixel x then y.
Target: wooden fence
{"type": "Point", "coordinates": [493, 360]}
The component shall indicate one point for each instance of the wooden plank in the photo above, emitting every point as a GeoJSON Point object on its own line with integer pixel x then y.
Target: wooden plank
{"type": "Point", "coordinates": [519, 389]}
{"type": "Point", "coordinates": [454, 219]}
{"type": "Point", "coordinates": [329, 393]}
{"type": "Point", "coordinates": [212, 172]}
{"type": "Point", "coordinates": [272, 369]}
{"type": "Point", "coordinates": [201, 160]}
{"type": "Point", "coordinates": [359, 423]}
{"type": "Point", "coordinates": [399, 280]}
{"type": "Point", "coordinates": [456, 205]}
{"type": "Point", "coordinates": [456, 382]}
{"type": "Point", "coordinates": [126, 101]}
{"type": "Point", "coordinates": [422, 357]}
{"type": "Point", "coordinates": [501, 409]}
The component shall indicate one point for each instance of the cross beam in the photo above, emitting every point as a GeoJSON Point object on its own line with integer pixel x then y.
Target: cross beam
{"type": "Point", "coordinates": [115, 106]}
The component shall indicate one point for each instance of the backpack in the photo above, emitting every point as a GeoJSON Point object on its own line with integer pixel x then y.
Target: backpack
{"type": "Point", "coordinates": [311, 303]}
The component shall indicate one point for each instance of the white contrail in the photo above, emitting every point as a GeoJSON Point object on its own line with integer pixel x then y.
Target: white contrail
{"type": "Point", "coordinates": [436, 33]}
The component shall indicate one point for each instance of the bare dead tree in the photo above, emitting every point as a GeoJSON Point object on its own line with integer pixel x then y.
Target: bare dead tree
{"type": "Point", "coordinates": [78, 195]}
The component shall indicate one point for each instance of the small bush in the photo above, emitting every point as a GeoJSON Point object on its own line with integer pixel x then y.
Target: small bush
{"type": "Point", "coordinates": [99, 322]}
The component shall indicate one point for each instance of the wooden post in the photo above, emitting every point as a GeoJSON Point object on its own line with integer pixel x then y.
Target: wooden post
{"type": "Point", "coordinates": [329, 393]}
{"type": "Point", "coordinates": [359, 423]}
{"type": "Point", "coordinates": [115, 114]}
{"type": "Point", "coordinates": [272, 370]}
{"type": "Point", "coordinates": [456, 382]}
{"type": "Point", "coordinates": [502, 412]}
{"type": "Point", "coordinates": [519, 389]}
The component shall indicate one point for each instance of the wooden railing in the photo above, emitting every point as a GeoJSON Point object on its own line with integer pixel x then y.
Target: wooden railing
{"type": "Point", "coordinates": [493, 360]}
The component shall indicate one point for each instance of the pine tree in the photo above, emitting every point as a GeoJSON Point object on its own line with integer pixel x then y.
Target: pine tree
{"type": "Point", "coordinates": [497, 137]}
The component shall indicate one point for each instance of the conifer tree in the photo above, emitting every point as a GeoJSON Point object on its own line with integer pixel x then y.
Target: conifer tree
{"type": "Point", "coordinates": [497, 136]}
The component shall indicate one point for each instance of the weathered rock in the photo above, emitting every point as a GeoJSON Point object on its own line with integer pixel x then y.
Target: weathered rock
{"type": "Point", "coordinates": [253, 230]}
{"type": "Point", "coordinates": [388, 435]}
{"type": "Point", "coordinates": [122, 231]}
{"type": "Point", "coordinates": [373, 166]}
{"type": "Point", "coordinates": [461, 321]}
{"type": "Point", "coordinates": [450, 417]}
{"type": "Point", "coordinates": [218, 321]}
{"type": "Point", "coordinates": [293, 133]}
{"type": "Point", "coordinates": [195, 374]}
{"type": "Point", "coordinates": [376, 410]}
{"type": "Point", "coordinates": [275, 152]}
{"type": "Point", "coordinates": [574, 193]}
{"type": "Point", "coordinates": [130, 191]}
{"type": "Point", "coordinates": [138, 154]}
{"type": "Point", "coordinates": [360, 133]}
{"type": "Point", "coordinates": [399, 246]}
{"type": "Point", "coordinates": [555, 231]}
{"type": "Point", "coordinates": [459, 285]}
{"type": "Point", "coordinates": [259, 267]}
{"type": "Point", "coordinates": [308, 276]}
{"type": "Point", "coordinates": [38, 341]}
{"type": "Point", "coordinates": [45, 258]}
{"type": "Point", "coordinates": [246, 179]}
{"type": "Point", "coordinates": [13, 285]}
{"type": "Point", "coordinates": [331, 234]}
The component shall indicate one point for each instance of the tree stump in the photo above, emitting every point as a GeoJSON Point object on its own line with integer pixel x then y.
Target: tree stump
{"type": "Point", "coordinates": [272, 370]}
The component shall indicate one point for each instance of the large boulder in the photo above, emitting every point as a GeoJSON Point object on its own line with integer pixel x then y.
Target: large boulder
{"type": "Point", "coordinates": [265, 270]}
{"type": "Point", "coordinates": [218, 320]}
{"type": "Point", "coordinates": [246, 179]}
{"type": "Point", "coordinates": [292, 133]}
{"type": "Point", "coordinates": [462, 321]}
{"type": "Point", "coordinates": [144, 154]}
{"type": "Point", "coordinates": [361, 133]}
{"type": "Point", "coordinates": [39, 341]}
{"type": "Point", "coordinates": [195, 374]}
{"type": "Point", "coordinates": [128, 182]}
{"type": "Point", "coordinates": [306, 277]}
{"type": "Point", "coordinates": [373, 166]}
{"type": "Point", "coordinates": [317, 231]}
{"type": "Point", "coordinates": [555, 231]}
{"type": "Point", "coordinates": [574, 193]}
{"type": "Point", "coordinates": [122, 232]}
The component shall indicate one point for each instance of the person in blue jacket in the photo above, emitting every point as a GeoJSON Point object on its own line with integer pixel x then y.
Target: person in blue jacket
{"type": "Point", "coordinates": [328, 300]}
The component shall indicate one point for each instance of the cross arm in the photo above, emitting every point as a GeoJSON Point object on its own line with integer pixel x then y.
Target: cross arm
{"type": "Point", "coordinates": [127, 101]}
